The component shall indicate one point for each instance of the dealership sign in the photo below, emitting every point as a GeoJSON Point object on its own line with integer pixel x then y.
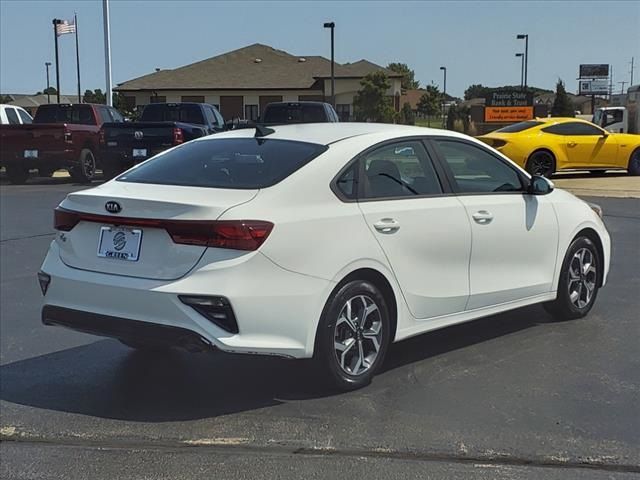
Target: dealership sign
{"type": "Point", "coordinates": [594, 70]}
{"type": "Point", "coordinates": [508, 106]}
{"type": "Point", "coordinates": [599, 86]}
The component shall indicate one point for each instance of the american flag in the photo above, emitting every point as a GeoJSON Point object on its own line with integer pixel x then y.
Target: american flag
{"type": "Point", "coordinates": [65, 26]}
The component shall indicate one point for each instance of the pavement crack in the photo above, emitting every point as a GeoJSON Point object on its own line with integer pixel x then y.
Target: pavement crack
{"type": "Point", "coordinates": [239, 445]}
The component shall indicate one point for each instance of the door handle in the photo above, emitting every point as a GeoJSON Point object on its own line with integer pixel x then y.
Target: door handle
{"type": "Point", "coordinates": [572, 144]}
{"type": "Point", "coordinates": [482, 217]}
{"type": "Point", "coordinates": [387, 225]}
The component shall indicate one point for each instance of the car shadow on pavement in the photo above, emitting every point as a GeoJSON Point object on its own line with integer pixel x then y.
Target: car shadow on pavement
{"type": "Point", "coordinates": [106, 379]}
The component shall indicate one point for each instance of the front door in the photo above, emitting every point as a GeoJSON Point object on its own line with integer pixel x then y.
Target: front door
{"type": "Point", "coordinates": [515, 234]}
{"type": "Point", "coordinates": [424, 234]}
{"type": "Point", "coordinates": [586, 145]}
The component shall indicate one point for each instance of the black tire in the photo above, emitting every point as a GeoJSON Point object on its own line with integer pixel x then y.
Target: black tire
{"type": "Point", "coordinates": [634, 163]}
{"type": "Point", "coordinates": [86, 170]}
{"type": "Point", "coordinates": [144, 346]}
{"type": "Point", "coordinates": [351, 373]}
{"type": "Point", "coordinates": [542, 163]}
{"type": "Point", "coordinates": [45, 172]}
{"type": "Point", "coordinates": [574, 280]}
{"type": "Point", "coordinates": [17, 174]}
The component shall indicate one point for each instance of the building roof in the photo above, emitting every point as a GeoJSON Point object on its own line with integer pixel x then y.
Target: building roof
{"type": "Point", "coordinates": [32, 101]}
{"type": "Point", "coordinates": [255, 67]}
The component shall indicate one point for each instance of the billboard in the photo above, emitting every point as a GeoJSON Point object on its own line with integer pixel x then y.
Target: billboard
{"type": "Point", "coordinates": [508, 114]}
{"type": "Point", "coordinates": [593, 87]}
{"type": "Point", "coordinates": [594, 70]}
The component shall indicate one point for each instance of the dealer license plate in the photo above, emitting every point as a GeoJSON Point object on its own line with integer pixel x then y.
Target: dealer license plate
{"type": "Point", "coordinates": [139, 152]}
{"type": "Point", "coordinates": [119, 243]}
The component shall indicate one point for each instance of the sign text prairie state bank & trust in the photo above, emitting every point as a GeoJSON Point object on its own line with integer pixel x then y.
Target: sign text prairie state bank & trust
{"type": "Point", "coordinates": [509, 99]}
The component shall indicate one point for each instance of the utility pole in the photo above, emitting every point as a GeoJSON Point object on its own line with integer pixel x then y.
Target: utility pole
{"type": "Point", "coordinates": [631, 72]}
{"type": "Point", "coordinates": [525, 36]}
{"type": "Point", "coordinates": [623, 84]}
{"type": "Point", "coordinates": [55, 37]}
{"type": "Point", "coordinates": [332, 26]}
{"type": "Point", "coordinates": [444, 95]}
{"type": "Point", "coordinates": [521, 55]}
{"type": "Point", "coordinates": [47, 65]}
{"type": "Point", "coordinates": [107, 50]}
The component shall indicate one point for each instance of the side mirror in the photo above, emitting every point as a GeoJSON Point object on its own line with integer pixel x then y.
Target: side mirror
{"type": "Point", "coordinates": [540, 185]}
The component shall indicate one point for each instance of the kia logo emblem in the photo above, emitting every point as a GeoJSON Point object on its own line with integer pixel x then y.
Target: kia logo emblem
{"type": "Point", "coordinates": [112, 207]}
{"type": "Point", "coordinates": [138, 135]}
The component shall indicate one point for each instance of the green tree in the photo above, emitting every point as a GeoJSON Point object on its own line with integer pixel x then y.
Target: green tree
{"type": "Point", "coordinates": [97, 96]}
{"type": "Point", "coordinates": [562, 104]}
{"type": "Point", "coordinates": [406, 115]}
{"type": "Point", "coordinates": [408, 81]}
{"type": "Point", "coordinates": [430, 101]}
{"type": "Point", "coordinates": [476, 91]}
{"type": "Point", "coordinates": [372, 103]}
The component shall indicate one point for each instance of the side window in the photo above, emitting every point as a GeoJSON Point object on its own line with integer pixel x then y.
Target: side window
{"type": "Point", "coordinates": [401, 169]}
{"type": "Point", "coordinates": [24, 116]}
{"type": "Point", "coordinates": [573, 128]}
{"type": "Point", "coordinates": [211, 118]}
{"type": "Point", "coordinates": [12, 116]}
{"type": "Point", "coordinates": [85, 115]}
{"type": "Point", "coordinates": [347, 183]}
{"type": "Point", "coordinates": [116, 115]}
{"type": "Point", "coordinates": [105, 115]}
{"type": "Point", "coordinates": [219, 117]}
{"type": "Point", "coordinates": [476, 170]}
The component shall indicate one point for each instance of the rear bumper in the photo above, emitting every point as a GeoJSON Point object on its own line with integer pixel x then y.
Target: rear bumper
{"type": "Point", "coordinates": [277, 311]}
{"type": "Point", "coordinates": [124, 157]}
{"type": "Point", "coordinates": [46, 158]}
{"type": "Point", "coordinates": [126, 329]}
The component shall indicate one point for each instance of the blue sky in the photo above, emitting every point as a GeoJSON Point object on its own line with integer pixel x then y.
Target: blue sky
{"type": "Point", "coordinates": [475, 40]}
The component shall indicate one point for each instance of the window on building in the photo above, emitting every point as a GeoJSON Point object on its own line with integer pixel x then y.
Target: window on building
{"type": "Point", "coordinates": [344, 111]}
{"type": "Point", "coordinates": [251, 112]}
{"type": "Point", "coordinates": [193, 98]}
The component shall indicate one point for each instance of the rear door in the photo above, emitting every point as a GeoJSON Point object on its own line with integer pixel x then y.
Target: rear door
{"type": "Point", "coordinates": [424, 233]}
{"type": "Point", "coordinates": [515, 235]}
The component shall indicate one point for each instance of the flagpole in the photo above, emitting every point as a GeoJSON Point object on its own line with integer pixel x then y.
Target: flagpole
{"type": "Point", "coordinates": [75, 21]}
{"type": "Point", "coordinates": [107, 50]}
{"type": "Point", "coordinates": [55, 37]}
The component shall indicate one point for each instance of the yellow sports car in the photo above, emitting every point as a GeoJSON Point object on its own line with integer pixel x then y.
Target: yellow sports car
{"type": "Point", "coordinates": [547, 145]}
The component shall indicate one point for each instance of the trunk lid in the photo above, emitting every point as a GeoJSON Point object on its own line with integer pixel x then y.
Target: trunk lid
{"type": "Point", "coordinates": [158, 256]}
{"type": "Point", "coordinates": [150, 135]}
{"type": "Point", "coordinates": [32, 136]}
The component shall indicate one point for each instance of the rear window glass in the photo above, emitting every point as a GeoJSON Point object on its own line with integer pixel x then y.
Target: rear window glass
{"type": "Point", "coordinates": [519, 127]}
{"type": "Point", "coordinates": [162, 112]}
{"type": "Point", "coordinates": [295, 114]}
{"type": "Point", "coordinates": [74, 114]}
{"type": "Point", "coordinates": [237, 163]}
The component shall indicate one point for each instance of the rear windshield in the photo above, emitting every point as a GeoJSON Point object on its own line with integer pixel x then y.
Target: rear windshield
{"type": "Point", "coordinates": [73, 114]}
{"type": "Point", "coordinates": [237, 163]}
{"type": "Point", "coordinates": [295, 114]}
{"type": "Point", "coordinates": [520, 127]}
{"type": "Point", "coordinates": [163, 112]}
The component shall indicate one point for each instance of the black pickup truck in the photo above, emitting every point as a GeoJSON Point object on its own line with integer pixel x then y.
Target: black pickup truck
{"type": "Point", "coordinates": [160, 127]}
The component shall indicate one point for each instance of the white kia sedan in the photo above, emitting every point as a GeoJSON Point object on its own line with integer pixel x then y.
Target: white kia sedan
{"type": "Point", "coordinates": [321, 240]}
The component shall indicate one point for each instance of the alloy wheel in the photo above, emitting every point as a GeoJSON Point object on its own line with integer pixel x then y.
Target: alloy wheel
{"type": "Point", "coordinates": [582, 277]}
{"type": "Point", "coordinates": [358, 335]}
{"type": "Point", "coordinates": [541, 164]}
{"type": "Point", "coordinates": [89, 165]}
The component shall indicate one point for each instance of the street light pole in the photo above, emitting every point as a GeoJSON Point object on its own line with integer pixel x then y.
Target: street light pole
{"type": "Point", "coordinates": [332, 26]}
{"type": "Point", "coordinates": [521, 55]}
{"type": "Point", "coordinates": [444, 93]}
{"type": "Point", "coordinates": [47, 65]}
{"type": "Point", "coordinates": [525, 36]}
{"type": "Point", "coordinates": [107, 50]}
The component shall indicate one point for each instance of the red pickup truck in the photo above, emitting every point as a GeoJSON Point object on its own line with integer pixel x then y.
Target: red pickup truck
{"type": "Point", "coordinates": [61, 136]}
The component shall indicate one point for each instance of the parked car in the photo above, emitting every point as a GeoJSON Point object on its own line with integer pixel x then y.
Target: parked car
{"type": "Point", "coordinates": [160, 126]}
{"type": "Point", "coordinates": [547, 145]}
{"type": "Point", "coordinates": [13, 115]}
{"type": "Point", "coordinates": [327, 241]}
{"type": "Point", "coordinates": [282, 113]}
{"type": "Point", "coordinates": [61, 136]}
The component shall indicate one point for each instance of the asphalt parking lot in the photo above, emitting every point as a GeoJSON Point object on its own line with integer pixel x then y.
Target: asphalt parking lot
{"type": "Point", "coordinates": [511, 396]}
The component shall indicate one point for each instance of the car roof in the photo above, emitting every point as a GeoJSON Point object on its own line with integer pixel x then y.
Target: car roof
{"type": "Point", "coordinates": [328, 133]}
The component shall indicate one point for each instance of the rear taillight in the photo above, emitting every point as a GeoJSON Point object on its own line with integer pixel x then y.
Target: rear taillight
{"type": "Point", "coordinates": [68, 137]}
{"type": "Point", "coordinates": [233, 234]}
{"type": "Point", "coordinates": [101, 137]}
{"type": "Point", "coordinates": [237, 235]}
{"type": "Point", "coordinates": [65, 220]}
{"type": "Point", "coordinates": [178, 137]}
